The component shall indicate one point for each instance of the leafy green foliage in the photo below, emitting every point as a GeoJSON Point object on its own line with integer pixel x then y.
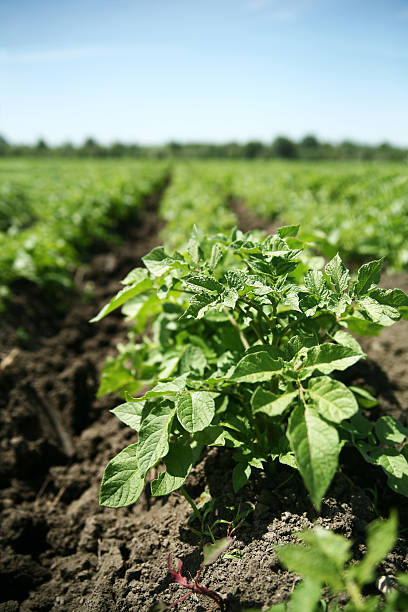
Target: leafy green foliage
{"type": "Point", "coordinates": [123, 480]}
{"type": "Point", "coordinates": [198, 193]}
{"type": "Point", "coordinates": [323, 561]}
{"type": "Point", "coordinates": [52, 211]}
{"type": "Point", "coordinates": [246, 339]}
{"type": "Point", "coordinates": [362, 207]}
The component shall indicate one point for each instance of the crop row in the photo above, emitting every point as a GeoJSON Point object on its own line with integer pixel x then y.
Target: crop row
{"type": "Point", "coordinates": [198, 194]}
{"type": "Point", "coordinates": [50, 212]}
{"type": "Point", "coordinates": [360, 210]}
{"type": "Point", "coordinates": [50, 216]}
{"type": "Point", "coordinates": [245, 337]}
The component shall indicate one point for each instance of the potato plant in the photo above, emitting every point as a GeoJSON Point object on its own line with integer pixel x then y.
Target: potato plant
{"type": "Point", "coordinates": [351, 199]}
{"type": "Point", "coordinates": [243, 339]}
{"type": "Point", "coordinates": [324, 560]}
{"type": "Point", "coordinates": [49, 220]}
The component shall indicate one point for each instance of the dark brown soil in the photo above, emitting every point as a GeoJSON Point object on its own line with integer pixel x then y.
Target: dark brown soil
{"type": "Point", "coordinates": [62, 552]}
{"type": "Point", "coordinates": [249, 221]}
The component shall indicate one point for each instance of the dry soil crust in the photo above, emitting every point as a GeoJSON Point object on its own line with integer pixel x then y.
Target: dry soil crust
{"type": "Point", "coordinates": [62, 552]}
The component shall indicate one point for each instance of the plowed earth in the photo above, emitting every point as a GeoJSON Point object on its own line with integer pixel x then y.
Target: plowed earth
{"type": "Point", "coordinates": [60, 551]}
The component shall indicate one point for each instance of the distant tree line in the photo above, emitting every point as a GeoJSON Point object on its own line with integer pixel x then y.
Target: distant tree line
{"type": "Point", "coordinates": [308, 148]}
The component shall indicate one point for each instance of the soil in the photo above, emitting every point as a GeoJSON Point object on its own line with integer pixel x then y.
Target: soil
{"type": "Point", "coordinates": [62, 552]}
{"type": "Point", "coordinates": [248, 220]}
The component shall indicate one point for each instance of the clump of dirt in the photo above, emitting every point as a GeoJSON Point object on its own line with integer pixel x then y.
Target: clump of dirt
{"type": "Point", "coordinates": [61, 551]}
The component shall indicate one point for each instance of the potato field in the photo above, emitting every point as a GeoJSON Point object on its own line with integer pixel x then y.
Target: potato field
{"type": "Point", "coordinates": [204, 390]}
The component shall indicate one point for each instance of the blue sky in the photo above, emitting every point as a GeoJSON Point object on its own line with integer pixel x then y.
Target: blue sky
{"type": "Point", "coordinates": [151, 71]}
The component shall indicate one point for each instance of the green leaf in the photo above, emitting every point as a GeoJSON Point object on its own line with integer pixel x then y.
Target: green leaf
{"type": "Point", "coordinates": [392, 297]}
{"type": "Point", "coordinates": [390, 431]}
{"type": "Point", "coordinates": [135, 276]}
{"type": "Point", "coordinates": [215, 258]}
{"type": "Point", "coordinates": [256, 284]}
{"type": "Point", "coordinates": [163, 389]}
{"type": "Point", "coordinates": [214, 550]}
{"type": "Point", "coordinates": [364, 398]}
{"type": "Point", "coordinates": [333, 400]}
{"type": "Point", "coordinates": [395, 467]}
{"type": "Point", "coordinates": [195, 410]}
{"type": "Point", "coordinates": [123, 481]}
{"type": "Point", "coordinates": [141, 309]}
{"type": "Point", "coordinates": [213, 435]}
{"type": "Point", "coordinates": [346, 339]}
{"type": "Point", "coordinates": [193, 360]}
{"type": "Point", "coordinates": [256, 367]}
{"type": "Point", "coordinates": [198, 305]}
{"type": "Point", "coordinates": [130, 413]}
{"type": "Point", "coordinates": [202, 281]}
{"type": "Point", "coordinates": [274, 244]}
{"type": "Point", "coordinates": [315, 283]}
{"type": "Point", "coordinates": [403, 580]}
{"type": "Point", "coordinates": [123, 296]}
{"type": "Point", "coordinates": [178, 465]}
{"type": "Point", "coordinates": [240, 476]}
{"type": "Point", "coordinates": [316, 446]}
{"type": "Point", "coordinates": [381, 537]}
{"type": "Point", "coordinates": [235, 279]}
{"type": "Point", "coordinates": [338, 274]}
{"type": "Point", "coordinates": [368, 275]}
{"type": "Point", "coordinates": [305, 596]}
{"type": "Point", "coordinates": [229, 297]}
{"type": "Point", "coordinates": [288, 230]}
{"type": "Point", "coordinates": [335, 547]}
{"type": "Point", "coordinates": [359, 426]}
{"type": "Point", "coordinates": [153, 442]}
{"type": "Point", "coordinates": [321, 561]}
{"type": "Point", "coordinates": [158, 262]}
{"type": "Point", "coordinates": [271, 404]}
{"type": "Point", "coordinates": [193, 246]}
{"type": "Point", "coordinates": [361, 326]}
{"type": "Point", "coordinates": [338, 304]}
{"type": "Point", "coordinates": [115, 376]}
{"type": "Point", "coordinates": [379, 313]}
{"type": "Point", "coordinates": [289, 459]}
{"type": "Point", "coordinates": [329, 357]}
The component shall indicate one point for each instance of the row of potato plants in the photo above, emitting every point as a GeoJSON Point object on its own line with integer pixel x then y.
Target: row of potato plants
{"type": "Point", "coordinates": [246, 339]}
{"type": "Point", "coordinates": [154, 363]}
{"type": "Point", "coordinates": [360, 209]}
{"type": "Point", "coordinates": [242, 339]}
{"type": "Point", "coordinates": [51, 213]}
{"type": "Point", "coordinates": [198, 193]}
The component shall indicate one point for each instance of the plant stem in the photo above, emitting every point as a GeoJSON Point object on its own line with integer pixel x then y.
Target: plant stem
{"type": "Point", "coordinates": [259, 309]}
{"type": "Point", "coordinates": [259, 333]}
{"type": "Point", "coordinates": [255, 326]}
{"type": "Point", "coordinates": [286, 329]}
{"type": "Point", "coordinates": [244, 341]}
{"type": "Point", "coordinates": [301, 393]}
{"type": "Point", "coordinates": [196, 511]}
{"type": "Point", "coordinates": [355, 594]}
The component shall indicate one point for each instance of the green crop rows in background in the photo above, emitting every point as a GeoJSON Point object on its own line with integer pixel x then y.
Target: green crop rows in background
{"type": "Point", "coordinates": [52, 210]}
{"type": "Point", "coordinates": [358, 209]}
